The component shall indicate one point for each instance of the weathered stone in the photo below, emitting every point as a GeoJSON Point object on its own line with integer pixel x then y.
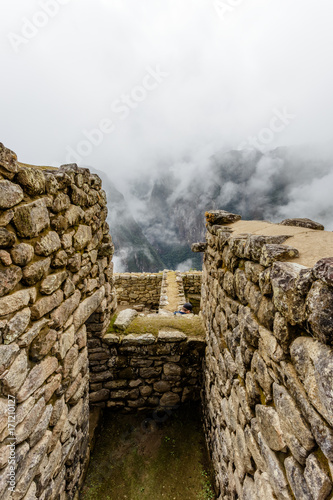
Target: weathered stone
{"type": "Point", "coordinates": [308, 223]}
{"type": "Point", "coordinates": [60, 259]}
{"type": "Point", "coordinates": [318, 482]}
{"type": "Point", "coordinates": [323, 270]}
{"type": "Point", "coordinates": [74, 214]}
{"type": "Point", "coordinates": [32, 180]}
{"type": "Point", "coordinates": [5, 258]}
{"type": "Point", "coordinates": [274, 470]}
{"type": "Point", "coordinates": [287, 299]}
{"type": "Point", "coordinates": [7, 238]}
{"type": "Point", "coordinates": [259, 369]}
{"type": "Point", "coordinates": [268, 345]}
{"type": "Point", "coordinates": [6, 217]}
{"type": "Point", "coordinates": [9, 278]}
{"type": "Point", "coordinates": [291, 418]}
{"type": "Point", "coordinates": [42, 345]}
{"type": "Point", "coordinates": [48, 244]}
{"type": "Point", "coordinates": [272, 253]}
{"type": "Point", "coordinates": [322, 433]}
{"type": "Point", "coordinates": [22, 254]}
{"type": "Point", "coordinates": [221, 217]}
{"type": "Point", "coordinates": [64, 311]}
{"type": "Point", "coordinates": [26, 339]}
{"type": "Point", "coordinates": [10, 194]}
{"type": "Point", "coordinates": [8, 162]}
{"type": "Point", "coordinates": [102, 395]}
{"type": "Point", "coordinates": [143, 339]}
{"type": "Point", "coordinates": [14, 302]}
{"type": "Point", "coordinates": [319, 305]}
{"type": "Point", "coordinates": [282, 331]}
{"type": "Point", "coordinates": [87, 307]}
{"type": "Point", "coordinates": [16, 374]}
{"type": "Point", "coordinates": [25, 428]}
{"type": "Point", "coordinates": [82, 237]}
{"type": "Point", "coordinates": [296, 479]}
{"type": "Point", "coordinates": [66, 341]}
{"type": "Point", "coordinates": [170, 399]}
{"type": "Point", "coordinates": [269, 424]}
{"type": "Point", "coordinates": [69, 288]}
{"type": "Point", "coordinates": [31, 219]}
{"type": "Point", "coordinates": [124, 318]}
{"type": "Point", "coordinates": [52, 282]}
{"type": "Point", "coordinates": [255, 244]}
{"type": "Point", "coordinates": [7, 354]}
{"type": "Point", "coordinates": [30, 466]}
{"type": "Point", "coordinates": [32, 273]}
{"type": "Point", "coordinates": [37, 377]}
{"type": "Point", "coordinates": [199, 247]}
{"type": "Point", "coordinates": [61, 202]}
{"type": "Point", "coordinates": [172, 370]}
{"type": "Point", "coordinates": [46, 304]}
{"type": "Point", "coordinates": [314, 365]}
{"type": "Point", "coordinates": [266, 312]}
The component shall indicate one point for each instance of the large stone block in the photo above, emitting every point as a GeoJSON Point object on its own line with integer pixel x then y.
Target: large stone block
{"type": "Point", "coordinates": [34, 272]}
{"type": "Point", "coordinates": [46, 304]}
{"type": "Point", "coordinates": [14, 302]}
{"type": "Point", "coordinates": [124, 318]}
{"type": "Point", "coordinates": [10, 194]}
{"type": "Point", "coordinates": [48, 244]}
{"type": "Point", "coordinates": [319, 306]}
{"type": "Point", "coordinates": [9, 278]}
{"type": "Point", "coordinates": [7, 238]}
{"type": "Point", "coordinates": [32, 180]}
{"type": "Point", "coordinates": [288, 300]}
{"type": "Point", "coordinates": [82, 237]}
{"type": "Point", "coordinates": [37, 377]}
{"type": "Point", "coordinates": [87, 307]}
{"type": "Point", "coordinates": [314, 365]}
{"type": "Point", "coordinates": [31, 219]}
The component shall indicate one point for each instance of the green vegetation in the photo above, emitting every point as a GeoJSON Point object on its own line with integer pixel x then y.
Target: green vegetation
{"type": "Point", "coordinates": [152, 324]}
{"type": "Point", "coordinates": [137, 458]}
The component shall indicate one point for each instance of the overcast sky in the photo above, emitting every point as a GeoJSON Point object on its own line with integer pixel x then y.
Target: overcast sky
{"type": "Point", "coordinates": [163, 79]}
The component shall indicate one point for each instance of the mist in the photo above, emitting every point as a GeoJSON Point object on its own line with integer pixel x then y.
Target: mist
{"type": "Point", "coordinates": [137, 89]}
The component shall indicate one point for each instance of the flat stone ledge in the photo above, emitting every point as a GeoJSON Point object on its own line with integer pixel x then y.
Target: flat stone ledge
{"type": "Point", "coordinates": [111, 338]}
{"type": "Point", "coordinates": [167, 335]}
{"type": "Point", "coordinates": [132, 339]}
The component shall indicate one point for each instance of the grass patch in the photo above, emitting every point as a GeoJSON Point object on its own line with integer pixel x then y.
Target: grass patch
{"type": "Point", "coordinates": [151, 324]}
{"type": "Point", "coordinates": [166, 461]}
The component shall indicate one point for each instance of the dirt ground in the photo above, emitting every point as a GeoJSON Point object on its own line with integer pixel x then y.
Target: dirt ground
{"type": "Point", "coordinates": [160, 456]}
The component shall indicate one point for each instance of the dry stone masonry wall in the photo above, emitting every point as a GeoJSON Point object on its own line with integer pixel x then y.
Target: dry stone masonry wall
{"type": "Point", "coordinates": [268, 394]}
{"type": "Point", "coordinates": [55, 284]}
{"type": "Point", "coordinates": [139, 290]}
{"type": "Point", "coordinates": [142, 372]}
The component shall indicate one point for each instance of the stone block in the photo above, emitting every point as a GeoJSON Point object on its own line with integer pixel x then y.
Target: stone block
{"type": "Point", "coordinates": [31, 219]}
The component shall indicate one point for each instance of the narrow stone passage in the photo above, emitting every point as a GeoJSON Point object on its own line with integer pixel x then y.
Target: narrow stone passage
{"type": "Point", "coordinates": [161, 456]}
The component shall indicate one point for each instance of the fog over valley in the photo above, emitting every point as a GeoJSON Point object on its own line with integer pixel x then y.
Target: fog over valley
{"type": "Point", "coordinates": [180, 106]}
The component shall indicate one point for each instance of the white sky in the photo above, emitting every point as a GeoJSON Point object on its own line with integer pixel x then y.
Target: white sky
{"type": "Point", "coordinates": [226, 74]}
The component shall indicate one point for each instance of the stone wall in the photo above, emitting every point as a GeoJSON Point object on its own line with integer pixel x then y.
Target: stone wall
{"type": "Point", "coordinates": [55, 284]}
{"type": "Point", "coordinates": [192, 283]}
{"type": "Point", "coordinates": [139, 290]}
{"type": "Point", "coordinates": [141, 372]}
{"type": "Point", "coordinates": [268, 395]}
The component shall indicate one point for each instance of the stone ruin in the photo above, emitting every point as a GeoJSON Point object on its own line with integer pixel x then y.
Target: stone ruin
{"type": "Point", "coordinates": [265, 371]}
